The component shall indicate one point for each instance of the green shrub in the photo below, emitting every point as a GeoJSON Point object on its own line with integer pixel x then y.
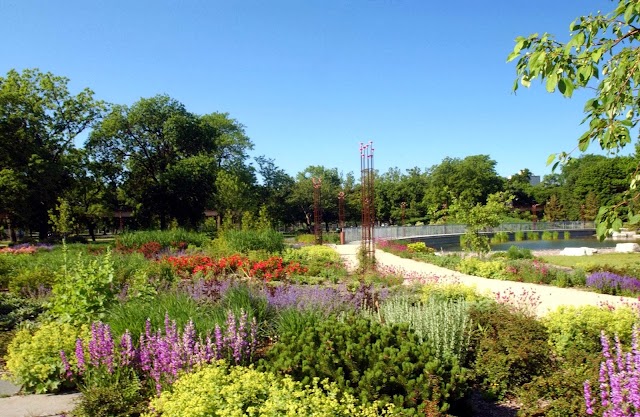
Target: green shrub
{"type": "Point", "coordinates": [518, 236]}
{"type": "Point", "coordinates": [516, 252]}
{"type": "Point", "coordinates": [370, 361]}
{"type": "Point", "coordinates": [533, 236]}
{"type": "Point", "coordinates": [580, 327]}
{"type": "Point", "coordinates": [306, 238]}
{"type": "Point", "coordinates": [313, 253]}
{"type": "Point", "coordinates": [239, 391]}
{"type": "Point", "coordinates": [446, 261]}
{"type": "Point", "coordinates": [450, 292]}
{"type": "Point", "coordinates": [488, 269]}
{"type": "Point", "coordinates": [510, 349]}
{"type": "Point", "coordinates": [27, 282]}
{"type": "Point", "coordinates": [442, 324]}
{"type": "Point", "coordinates": [82, 292]}
{"type": "Point", "coordinates": [244, 241]}
{"type": "Point", "coordinates": [419, 247]}
{"type": "Point", "coordinates": [566, 235]}
{"type": "Point", "coordinates": [119, 397]}
{"type": "Point", "coordinates": [547, 235]}
{"type": "Point", "coordinates": [165, 238]}
{"type": "Point", "coordinates": [500, 237]}
{"type": "Point", "coordinates": [15, 310]}
{"type": "Point", "coordinates": [33, 358]}
{"type": "Point", "coordinates": [561, 392]}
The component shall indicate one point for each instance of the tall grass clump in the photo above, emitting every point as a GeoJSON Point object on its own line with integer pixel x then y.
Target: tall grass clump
{"type": "Point", "coordinates": [244, 241]}
{"type": "Point", "coordinates": [178, 238]}
{"type": "Point", "coordinates": [519, 236]}
{"type": "Point", "coordinates": [567, 235]}
{"type": "Point", "coordinates": [533, 236]}
{"type": "Point", "coordinates": [500, 237]}
{"type": "Point", "coordinates": [442, 324]}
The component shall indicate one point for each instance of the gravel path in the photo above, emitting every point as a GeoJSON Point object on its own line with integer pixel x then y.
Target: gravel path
{"type": "Point", "coordinates": [549, 297]}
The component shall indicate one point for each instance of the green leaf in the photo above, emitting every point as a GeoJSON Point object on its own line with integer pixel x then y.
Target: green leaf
{"type": "Point", "coordinates": [601, 230]}
{"type": "Point", "coordinates": [634, 219]}
{"type": "Point", "coordinates": [617, 224]}
{"type": "Point", "coordinates": [552, 82]}
{"type": "Point", "coordinates": [551, 158]}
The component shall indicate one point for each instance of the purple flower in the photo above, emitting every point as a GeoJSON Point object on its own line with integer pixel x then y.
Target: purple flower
{"type": "Point", "coordinates": [66, 365]}
{"type": "Point", "coordinates": [608, 282]}
{"type": "Point", "coordinates": [80, 356]}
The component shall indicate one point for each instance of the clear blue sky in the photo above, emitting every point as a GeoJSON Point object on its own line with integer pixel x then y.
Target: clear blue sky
{"type": "Point", "coordinates": [310, 79]}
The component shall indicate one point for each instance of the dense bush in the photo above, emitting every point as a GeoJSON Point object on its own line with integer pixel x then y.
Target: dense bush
{"type": "Point", "coordinates": [560, 392]}
{"type": "Point", "coordinates": [488, 269]}
{"type": "Point", "coordinates": [84, 290]}
{"type": "Point", "coordinates": [122, 397]}
{"type": "Point", "coordinates": [239, 391]}
{"type": "Point", "coordinates": [579, 328]}
{"type": "Point", "coordinates": [33, 357]}
{"type": "Point", "coordinates": [243, 241]}
{"type": "Point", "coordinates": [32, 281]}
{"type": "Point", "coordinates": [166, 239]}
{"type": "Point", "coordinates": [450, 292]}
{"type": "Point", "coordinates": [419, 247]}
{"type": "Point", "coordinates": [443, 325]}
{"type": "Point", "coordinates": [510, 349]}
{"type": "Point", "coordinates": [371, 362]}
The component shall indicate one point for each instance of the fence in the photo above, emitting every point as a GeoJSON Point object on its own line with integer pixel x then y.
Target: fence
{"type": "Point", "coordinates": [352, 234]}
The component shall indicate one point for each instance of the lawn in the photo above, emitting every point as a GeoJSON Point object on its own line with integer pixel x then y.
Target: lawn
{"type": "Point", "coordinates": [627, 261]}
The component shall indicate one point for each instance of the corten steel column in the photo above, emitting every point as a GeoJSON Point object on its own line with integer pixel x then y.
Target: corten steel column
{"type": "Point", "coordinates": [317, 213]}
{"type": "Point", "coordinates": [368, 206]}
{"type": "Point", "coordinates": [535, 215]}
{"type": "Point", "coordinates": [341, 216]}
{"type": "Point", "coordinates": [403, 206]}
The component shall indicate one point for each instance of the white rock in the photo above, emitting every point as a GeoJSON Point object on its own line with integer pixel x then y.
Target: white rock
{"type": "Point", "coordinates": [582, 251]}
{"type": "Point", "coordinates": [627, 247]}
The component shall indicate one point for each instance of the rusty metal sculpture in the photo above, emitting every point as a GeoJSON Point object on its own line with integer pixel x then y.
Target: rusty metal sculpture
{"type": "Point", "coordinates": [368, 205]}
{"type": "Point", "coordinates": [341, 210]}
{"type": "Point", "coordinates": [317, 210]}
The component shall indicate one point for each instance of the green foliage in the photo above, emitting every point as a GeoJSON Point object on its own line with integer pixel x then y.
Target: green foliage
{"type": "Point", "coordinates": [240, 391]}
{"type": "Point", "coordinates": [450, 292]}
{"type": "Point", "coordinates": [15, 310]}
{"type": "Point", "coordinates": [313, 253]}
{"type": "Point", "coordinates": [488, 269]}
{"type": "Point", "coordinates": [566, 235]}
{"type": "Point", "coordinates": [515, 252]}
{"type": "Point", "coordinates": [166, 238]}
{"type": "Point", "coordinates": [419, 247]}
{"type": "Point", "coordinates": [27, 282]}
{"type": "Point", "coordinates": [306, 238]}
{"type": "Point", "coordinates": [600, 56]}
{"type": "Point", "coordinates": [479, 217]}
{"type": "Point", "coordinates": [561, 392]}
{"type": "Point", "coordinates": [533, 236]}
{"type": "Point", "coordinates": [243, 241]}
{"type": "Point", "coordinates": [510, 349]}
{"type": "Point", "coordinates": [444, 325]}
{"type": "Point", "coordinates": [500, 237]}
{"type": "Point", "coordinates": [579, 328]}
{"type": "Point", "coordinates": [370, 361]}
{"type": "Point", "coordinates": [122, 396]}
{"type": "Point", "coordinates": [83, 291]}
{"type": "Point", "coordinates": [447, 261]}
{"type": "Point", "coordinates": [34, 355]}
{"type": "Point", "coordinates": [518, 236]}
{"type": "Point", "coordinates": [61, 219]}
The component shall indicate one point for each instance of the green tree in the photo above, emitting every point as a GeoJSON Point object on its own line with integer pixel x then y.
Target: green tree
{"type": "Point", "coordinates": [553, 210]}
{"type": "Point", "coordinates": [39, 121]}
{"type": "Point", "coordinates": [302, 194]}
{"type": "Point", "coordinates": [275, 190]}
{"type": "Point", "coordinates": [471, 179]}
{"type": "Point", "coordinates": [479, 218]}
{"type": "Point", "coordinates": [169, 158]}
{"type": "Point", "coordinates": [601, 56]}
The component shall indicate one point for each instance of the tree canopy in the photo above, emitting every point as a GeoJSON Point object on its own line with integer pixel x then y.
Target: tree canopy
{"type": "Point", "coordinates": [601, 55]}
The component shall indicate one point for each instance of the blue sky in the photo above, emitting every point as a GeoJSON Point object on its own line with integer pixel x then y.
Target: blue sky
{"type": "Point", "coordinates": [310, 79]}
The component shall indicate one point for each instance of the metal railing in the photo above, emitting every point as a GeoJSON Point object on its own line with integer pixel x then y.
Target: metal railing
{"type": "Point", "coordinates": [352, 234]}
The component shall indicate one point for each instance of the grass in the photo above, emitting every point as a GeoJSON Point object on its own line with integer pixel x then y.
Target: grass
{"type": "Point", "coordinates": [620, 260]}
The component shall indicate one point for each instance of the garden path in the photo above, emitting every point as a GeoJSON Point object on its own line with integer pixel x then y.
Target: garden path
{"type": "Point", "coordinates": [550, 297]}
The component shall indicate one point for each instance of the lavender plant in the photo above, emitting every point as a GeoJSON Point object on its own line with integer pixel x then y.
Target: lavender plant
{"type": "Point", "coordinates": [619, 380]}
{"type": "Point", "coordinates": [160, 355]}
{"type": "Point", "coordinates": [610, 283]}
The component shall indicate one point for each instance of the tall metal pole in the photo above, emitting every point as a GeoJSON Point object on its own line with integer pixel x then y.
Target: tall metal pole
{"type": "Point", "coordinates": [341, 210]}
{"type": "Point", "coordinates": [367, 176]}
{"type": "Point", "coordinates": [403, 206]}
{"type": "Point", "coordinates": [317, 213]}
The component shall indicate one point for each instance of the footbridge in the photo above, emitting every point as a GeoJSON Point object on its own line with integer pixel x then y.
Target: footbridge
{"type": "Point", "coordinates": [445, 234]}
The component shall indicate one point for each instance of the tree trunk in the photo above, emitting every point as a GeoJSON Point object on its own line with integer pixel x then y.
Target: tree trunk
{"type": "Point", "coordinates": [92, 231]}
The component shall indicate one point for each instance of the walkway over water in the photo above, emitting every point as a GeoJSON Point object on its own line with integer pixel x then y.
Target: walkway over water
{"type": "Point", "coordinates": [353, 234]}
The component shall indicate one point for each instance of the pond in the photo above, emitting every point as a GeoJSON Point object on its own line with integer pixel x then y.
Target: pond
{"type": "Point", "coordinates": [538, 245]}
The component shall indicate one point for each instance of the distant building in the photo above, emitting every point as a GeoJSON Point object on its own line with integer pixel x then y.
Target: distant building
{"type": "Point", "coordinates": [534, 179]}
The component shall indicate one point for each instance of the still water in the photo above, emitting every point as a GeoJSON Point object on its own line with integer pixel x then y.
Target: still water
{"type": "Point", "coordinates": [559, 244]}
